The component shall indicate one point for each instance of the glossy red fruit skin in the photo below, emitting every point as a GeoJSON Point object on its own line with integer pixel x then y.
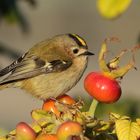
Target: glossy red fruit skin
{"type": "Point", "coordinates": [49, 105]}
{"type": "Point", "coordinates": [68, 129]}
{"type": "Point", "coordinates": [102, 87]}
{"type": "Point", "coordinates": [66, 99]}
{"type": "Point", "coordinates": [24, 131]}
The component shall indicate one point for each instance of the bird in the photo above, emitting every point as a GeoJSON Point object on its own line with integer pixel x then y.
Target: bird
{"type": "Point", "coordinates": [50, 68]}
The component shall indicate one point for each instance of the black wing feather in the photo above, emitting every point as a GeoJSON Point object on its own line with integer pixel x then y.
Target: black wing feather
{"type": "Point", "coordinates": [12, 66]}
{"type": "Point", "coordinates": [28, 68]}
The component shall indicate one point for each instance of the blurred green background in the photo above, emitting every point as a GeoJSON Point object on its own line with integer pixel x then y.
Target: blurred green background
{"type": "Point", "coordinates": [23, 23]}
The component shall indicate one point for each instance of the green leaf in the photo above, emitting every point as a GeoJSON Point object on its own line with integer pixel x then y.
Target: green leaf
{"type": "Point", "coordinates": [3, 132]}
{"type": "Point", "coordinates": [127, 130]}
{"type": "Point", "coordinates": [112, 8]}
{"type": "Point", "coordinates": [39, 114]}
{"type": "Point", "coordinates": [43, 118]}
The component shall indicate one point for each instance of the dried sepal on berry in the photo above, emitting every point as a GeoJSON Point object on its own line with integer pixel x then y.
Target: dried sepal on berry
{"type": "Point", "coordinates": [103, 52]}
{"type": "Point", "coordinates": [112, 68]}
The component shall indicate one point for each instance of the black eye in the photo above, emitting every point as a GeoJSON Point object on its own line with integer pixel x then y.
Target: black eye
{"type": "Point", "coordinates": [75, 51]}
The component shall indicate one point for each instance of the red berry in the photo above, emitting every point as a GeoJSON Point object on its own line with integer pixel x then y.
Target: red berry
{"type": "Point", "coordinates": [49, 105]}
{"type": "Point", "coordinates": [24, 131]}
{"type": "Point", "coordinates": [66, 99]}
{"type": "Point", "coordinates": [68, 129]}
{"type": "Point", "coordinates": [102, 87]}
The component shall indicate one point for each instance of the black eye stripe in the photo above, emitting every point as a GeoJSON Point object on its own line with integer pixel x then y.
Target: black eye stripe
{"type": "Point", "coordinates": [80, 41]}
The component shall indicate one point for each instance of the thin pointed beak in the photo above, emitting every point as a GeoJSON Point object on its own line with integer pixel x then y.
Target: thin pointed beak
{"type": "Point", "coordinates": [87, 53]}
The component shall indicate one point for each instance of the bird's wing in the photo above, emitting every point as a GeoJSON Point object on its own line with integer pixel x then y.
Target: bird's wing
{"type": "Point", "coordinates": [31, 66]}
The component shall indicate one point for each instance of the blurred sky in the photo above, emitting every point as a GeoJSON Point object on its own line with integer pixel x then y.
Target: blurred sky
{"type": "Point", "coordinates": [51, 17]}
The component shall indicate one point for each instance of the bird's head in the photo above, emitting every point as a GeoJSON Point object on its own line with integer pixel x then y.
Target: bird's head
{"type": "Point", "coordinates": [73, 45]}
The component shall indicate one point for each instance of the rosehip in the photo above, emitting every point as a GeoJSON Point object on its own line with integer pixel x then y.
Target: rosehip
{"type": "Point", "coordinates": [68, 129]}
{"type": "Point", "coordinates": [24, 132]}
{"type": "Point", "coordinates": [66, 99]}
{"type": "Point", "coordinates": [49, 105]}
{"type": "Point", "coordinates": [102, 87]}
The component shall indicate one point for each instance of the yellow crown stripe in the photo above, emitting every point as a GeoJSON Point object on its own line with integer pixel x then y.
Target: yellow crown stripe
{"type": "Point", "coordinates": [80, 39]}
